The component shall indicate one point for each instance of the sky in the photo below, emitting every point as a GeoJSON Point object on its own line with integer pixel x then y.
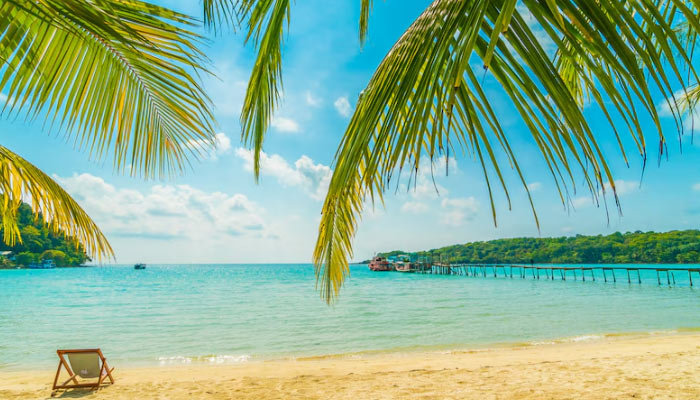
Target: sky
{"type": "Point", "coordinates": [216, 213]}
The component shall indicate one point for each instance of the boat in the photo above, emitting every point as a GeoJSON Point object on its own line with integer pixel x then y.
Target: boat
{"type": "Point", "coordinates": [139, 266]}
{"type": "Point", "coordinates": [380, 264]}
{"type": "Point", "coordinates": [404, 266]}
{"type": "Point", "coordinates": [46, 264]}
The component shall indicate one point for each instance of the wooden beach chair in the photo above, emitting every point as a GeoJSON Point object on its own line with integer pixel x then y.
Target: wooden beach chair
{"type": "Point", "coordinates": [87, 364]}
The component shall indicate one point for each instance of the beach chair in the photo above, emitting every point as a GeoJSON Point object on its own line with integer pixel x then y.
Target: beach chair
{"type": "Point", "coordinates": [87, 364]}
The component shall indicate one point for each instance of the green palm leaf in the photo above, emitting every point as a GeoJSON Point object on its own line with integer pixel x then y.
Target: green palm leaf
{"type": "Point", "coordinates": [20, 182]}
{"type": "Point", "coordinates": [219, 13]}
{"type": "Point", "coordinates": [365, 7]}
{"type": "Point", "coordinates": [266, 19]}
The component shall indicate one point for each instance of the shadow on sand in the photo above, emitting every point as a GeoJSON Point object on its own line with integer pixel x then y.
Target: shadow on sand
{"type": "Point", "coordinates": [75, 393]}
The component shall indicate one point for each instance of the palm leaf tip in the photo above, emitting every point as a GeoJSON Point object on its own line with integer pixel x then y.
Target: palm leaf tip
{"type": "Point", "coordinates": [23, 182]}
{"type": "Point", "coordinates": [365, 8]}
{"type": "Point", "coordinates": [220, 13]}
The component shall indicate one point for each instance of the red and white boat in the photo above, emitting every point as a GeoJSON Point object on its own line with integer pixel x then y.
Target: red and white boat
{"type": "Point", "coordinates": [380, 264]}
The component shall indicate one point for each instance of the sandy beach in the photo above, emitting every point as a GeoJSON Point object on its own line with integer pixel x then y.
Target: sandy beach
{"type": "Point", "coordinates": [634, 367]}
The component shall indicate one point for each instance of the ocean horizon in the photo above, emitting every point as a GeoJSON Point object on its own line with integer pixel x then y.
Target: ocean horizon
{"type": "Point", "coordinates": [233, 313]}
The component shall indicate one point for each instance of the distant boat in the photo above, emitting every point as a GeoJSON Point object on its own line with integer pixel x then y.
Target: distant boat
{"type": "Point", "coordinates": [380, 264]}
{"type": "Point", "coordinates": [139, 266]}
{"type": "Point", "coordinates": [404, 266]}
{"type": "Point", "coordinates": [46, 264]}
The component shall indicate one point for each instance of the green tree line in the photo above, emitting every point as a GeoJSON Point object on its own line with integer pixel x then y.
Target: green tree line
{"type": "Point", "coordinates": [39, 243]}
{"type": "Point", "coordinates": [631, 247]}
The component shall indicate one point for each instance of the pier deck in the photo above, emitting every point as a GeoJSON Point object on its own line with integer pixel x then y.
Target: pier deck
{"type": "Point", "coordinates": [663, 275]}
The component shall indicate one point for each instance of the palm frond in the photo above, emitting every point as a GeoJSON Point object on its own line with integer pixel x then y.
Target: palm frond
{"type": "Point", "coordinates": [220, 13]}
{"type": "Point", "coordinates": [117, 76]}
{"type": "Point", "coordinates": [266, 19]}
{"type": "Point", "coordinates": [365, 8]}
{"type": "Point", "coordinates": [21, 181]}
{"type": "Point", "coordinates": [425, 100]}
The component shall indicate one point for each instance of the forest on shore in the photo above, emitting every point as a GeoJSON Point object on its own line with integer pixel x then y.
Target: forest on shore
{"type": "Point", "coordinates": [619, 248]}
{"type": "Point", "coordinates": [39, 243]}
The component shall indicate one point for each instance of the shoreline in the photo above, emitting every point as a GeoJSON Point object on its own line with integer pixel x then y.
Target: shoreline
{"type": "Point", "coordinates": [628, 365]}
{"type": "Point", "coordinates": [216, 359]}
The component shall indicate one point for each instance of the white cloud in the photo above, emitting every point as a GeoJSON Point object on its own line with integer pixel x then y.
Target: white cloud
{"type": "Point", "coordinates": [312, 100]}
{"type": "Point", "coordinates": [166, 212]}
{"type": "Point", "coordinates": [220, 146]}
{"type": "Point", "coordinates": [223, 143]}
{"type": "Point", "coordinates": [622, 187]}
{"type": "Point", "coordinates": [534, 186]}
{"type": "Point", "coordinates": [425, 189]}
{"type": "Point", "coordinates": [696, 186]}
{"type": "Point", "coordinates": [423, 185]}
{"type": "Point", "coordinates": [414, 207]}
{"type": "Point", "coordinates": [690, 117]}
{"type": "Point", "coordinates": [458, 210]}
{"type": "Point", "coordinates": [582, 201]}
{"type": "Point", "coordinates": [463, 203]}
{"type": "Point", "coordinates": [312, 177]}
{"type": "Point", "coordinates": [342, 105]}
{"type": "Point", "coordinates": [286, 125]}
{"type": "Point", "coordinates": [437, 166]}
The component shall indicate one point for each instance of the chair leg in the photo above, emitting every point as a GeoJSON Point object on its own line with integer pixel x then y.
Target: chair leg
{"type": "Point", "coordinates": [72, 378]}
{"type": "Point", "coordinates": [58, 372]}
{"type": "Point", "coordinates": [109, 373]}
{"type": "Point", "coordinates": [62, 363]}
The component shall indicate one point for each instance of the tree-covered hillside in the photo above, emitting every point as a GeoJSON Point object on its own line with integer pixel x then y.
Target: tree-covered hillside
{"type": "Point", "coordinates": [638, 247]}
{"type": "Point", "coordinates": [39, 243]}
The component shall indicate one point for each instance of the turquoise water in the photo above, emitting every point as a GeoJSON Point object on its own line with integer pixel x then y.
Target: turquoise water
{"type": "Point", "coordinates": [174, 314]}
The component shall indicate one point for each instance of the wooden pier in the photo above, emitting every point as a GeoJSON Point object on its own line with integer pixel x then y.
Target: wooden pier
{"type": "Point", "coordinates": [664, 275]}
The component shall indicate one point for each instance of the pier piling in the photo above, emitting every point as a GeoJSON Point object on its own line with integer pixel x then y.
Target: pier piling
{"type": "Point", "coordinates": [493, 271]}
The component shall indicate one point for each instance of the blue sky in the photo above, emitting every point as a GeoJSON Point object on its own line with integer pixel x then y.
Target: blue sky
{"type": "Point", "coordinates": [216, 212]}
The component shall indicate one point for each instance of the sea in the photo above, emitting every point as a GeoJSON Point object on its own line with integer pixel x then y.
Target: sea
{"type": "Point", "coordinates": [229, 314]}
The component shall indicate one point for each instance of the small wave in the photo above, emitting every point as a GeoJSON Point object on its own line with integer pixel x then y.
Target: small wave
{"type": "Point", "coordinates": [174, 360]}
{"type": "Point", "coordinates": [226, 359]}
{"type": "Point", "coordinates": [574, 339]}
{"type": "Point", "coordinates": [210, 359]}
{"type": "Point", "coordinates": [541, 343]}
{"type": "Point", "coordinates": [584, 338]}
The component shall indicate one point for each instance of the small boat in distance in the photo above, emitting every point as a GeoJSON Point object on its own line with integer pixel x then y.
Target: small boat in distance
{"type": "Point", "coordinates": [380, 264]}
{"type": "Point", "coordinates": [139, 266]}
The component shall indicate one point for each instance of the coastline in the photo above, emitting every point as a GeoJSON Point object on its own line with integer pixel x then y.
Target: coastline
{"type": "Point", "coordinates": [663, 365]}
{"type": "Point", "coordinates": [13, 267]}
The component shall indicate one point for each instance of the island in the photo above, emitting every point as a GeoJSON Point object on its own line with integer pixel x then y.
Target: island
{"type": "Point", "coordinates": [674, 247]}
{"type": "Point", "coordinates": [40, 245]}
